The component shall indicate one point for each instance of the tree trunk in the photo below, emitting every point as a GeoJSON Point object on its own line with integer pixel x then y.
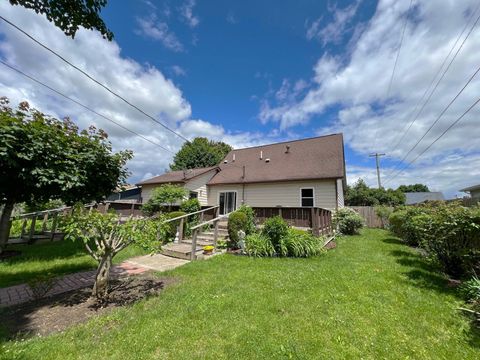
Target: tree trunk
{"type": "Point", "coordinates": [5, 223]}
{"type": "Point", "coordinates": [100, 288]}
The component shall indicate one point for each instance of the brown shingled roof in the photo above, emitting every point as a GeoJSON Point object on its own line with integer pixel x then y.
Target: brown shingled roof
{"type": "Point", "coordinates": [315, 158]}
{"type": "Point", "coordinates": [179, 176]}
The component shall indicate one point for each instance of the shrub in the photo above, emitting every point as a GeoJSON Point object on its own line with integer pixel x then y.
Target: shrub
{"type": "Point", "coordinates": [275, 229]}
{"type": "Point", "coordinates": [236, 221]}
{"type": "Point", "coordinates": [259, 245]}
{"type": "Point", "coordinates": [347, 221]}
{"type": "Point", "coordinates": [190, 206]}
{"type": "Point", "coordinates": [247, 210]}
{"type": "Point", "coordinates": [471, 290]}
{"type": "Point", "coordinates": [172, 226]}
{"type": "Point", "coordinates": [384, 212]}
{"type": "Point", "coordinates": [299, 243]}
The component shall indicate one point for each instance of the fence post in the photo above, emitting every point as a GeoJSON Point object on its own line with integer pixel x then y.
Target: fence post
{"type": "Point", "coordinates": [132, 210]}
{"type": "Point", "coordinates": [193, 254]}
{"type": "Point", "coordinates": [24, 227]}
{"type": "Point", "coordinates": [280, 212]}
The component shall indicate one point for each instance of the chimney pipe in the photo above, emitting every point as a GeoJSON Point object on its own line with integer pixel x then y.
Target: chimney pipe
{"type": "Point", "coordinates": [261, 154]}
{"type": "Point", "coordinates": [288, 149]}
{"type": "Point", "coordinates": [233, 159]}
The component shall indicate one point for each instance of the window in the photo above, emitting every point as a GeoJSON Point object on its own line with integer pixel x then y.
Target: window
{"type": "Point", "coordinates": [307, 197]}
{"type": "Point", "coordinates": [193, 195]}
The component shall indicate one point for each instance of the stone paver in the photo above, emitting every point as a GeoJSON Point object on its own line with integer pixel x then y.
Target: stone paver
{"type": "Point", "coordinates": [18, 294]}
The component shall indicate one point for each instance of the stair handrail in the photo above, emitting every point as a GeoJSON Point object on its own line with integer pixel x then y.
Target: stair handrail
{"type": "Point", "coordinates": [190, 214]}
{"type": "Point", "coordinates": [196, 228]}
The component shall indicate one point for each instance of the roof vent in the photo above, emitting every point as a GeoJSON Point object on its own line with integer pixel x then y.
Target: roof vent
{"type": "Point", "coordinates": [287, 149]}
{"type": "Point", "coordinates": [233, 158]}
{"type": "Point", "coordinates": [261, 154]}
{"type": "Point", "coordinates": [225, 161]}
{"type": "Point", "coordinates": [267, 160]}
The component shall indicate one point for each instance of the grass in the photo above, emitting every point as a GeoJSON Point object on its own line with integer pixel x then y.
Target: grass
{"type": "Point", "coordinates": [371, 298]}
{"type": "Point", "coordinates": [57, 258]}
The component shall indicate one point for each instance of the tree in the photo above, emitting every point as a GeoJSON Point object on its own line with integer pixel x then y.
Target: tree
{"type": "Point", "coordinates": [361, 195]}
{"type": "Point", "coordinates": [104, 236]}
{"type": "Point", "coordinates": [199, 153]}
{"type": "Point", "coordinates": [167, 194]}
{"type": "Point", "coordinates": [69, 15]}
{"type": "Point", "coordinates": [413, 188]}
{"type": "Point", "coordinates": [43, 159]}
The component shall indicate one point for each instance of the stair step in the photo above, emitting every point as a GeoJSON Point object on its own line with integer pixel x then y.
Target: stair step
{"type": "Point", "coordinates": [200, 242]}
{"type": "Point", "coordinates": [181, 251]}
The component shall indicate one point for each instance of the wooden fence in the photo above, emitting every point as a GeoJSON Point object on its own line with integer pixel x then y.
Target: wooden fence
{"type": "Point", "coordinates": [317, 219]}
{"type": "Point", "coordinates": [370, 216]}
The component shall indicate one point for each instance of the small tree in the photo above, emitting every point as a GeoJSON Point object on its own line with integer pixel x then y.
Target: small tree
{"type": "Point", "coordinates": [43, 158]}
{"type": "Point", "coordinates": [165, 195]}
{"type": "Point", "coordinates": [104, 236]}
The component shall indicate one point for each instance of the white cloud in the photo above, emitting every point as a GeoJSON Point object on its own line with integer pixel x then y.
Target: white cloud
{"type": "Point", "coordinates": [351, 89]}
{"type": "Point", "coordinates": [159, 30]}
{"type": "Point", "coordinates": [178, 70]}
{"type": "Point", "coordinates": [231, 19]}
{"type": "Point", "coordinates": [334, 31]}
{"type": "Point", "coordinates": [144, 86]}
{"type": "Point", "coordinates": [186, 11]}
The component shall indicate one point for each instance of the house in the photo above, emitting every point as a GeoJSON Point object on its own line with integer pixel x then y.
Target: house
{"type": "Point", "coordinates": [413, 198]}
{"type": "Point", "coordinates": [300, 173]}
{"type": "Point", "coordinates": [127, 192]}
{"type": "Point", "coordinates": [194, 180]}
{"type": "Point", "coordinates": [474, 191]}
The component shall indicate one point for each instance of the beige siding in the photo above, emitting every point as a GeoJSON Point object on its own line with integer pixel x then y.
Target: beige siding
{"type": "Point", "coordinates": [279, 193]}
{"type": "Point", "coordinates": [199, 185]}
{"type": "Point", "coordinates": [147, 191]}
{"type": "Point", "coordinates": [340, 196]}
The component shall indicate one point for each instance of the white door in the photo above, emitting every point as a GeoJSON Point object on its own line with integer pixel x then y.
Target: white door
{"type": "Point", "coordinates": [227, 201]}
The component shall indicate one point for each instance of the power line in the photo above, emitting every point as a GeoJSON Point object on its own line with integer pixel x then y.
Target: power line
{"type": "Point", "coordinates": [437, 139]}
{"type": "Point", "coordinates": [439, 117]}
{"type": "Point", "coordinates": [93, 79]}
{"type": "Point", "coordinates": [395, 63]}
{"type": "Point", "coordinates": [82, 105]}
{"type": "Point", "coordinates": [440, 79]}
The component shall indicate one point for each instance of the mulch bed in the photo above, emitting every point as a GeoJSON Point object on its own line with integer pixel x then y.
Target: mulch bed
{"type": "Point", "coordinates": [59, 312]}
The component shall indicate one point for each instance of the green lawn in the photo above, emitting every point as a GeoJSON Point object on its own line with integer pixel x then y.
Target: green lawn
{"type": "Point", "coordinates": [57, 258]}
{"type": "Point", "coordinates": [372, 298]}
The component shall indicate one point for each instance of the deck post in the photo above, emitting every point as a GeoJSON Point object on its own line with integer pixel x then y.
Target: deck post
{"type": "Point", "coordinates": [280, 212]}
{"type": "Point", "coordinates": [132, 210]}
{"type": "Point", "coordinates": [24, 227]}
{"type": "Point", "coordinates": [32, 228]}
{"type": "Point", "coordinates": [315, 228]}
{"type": "Point", "coordinates": [44, 223]}
{"type": "Point", "coordinates": [215, 234]}
{"type": "Point", "coordinates": [201, 216]}
{"type": "Point", "coordinates": [180, 230]}
{"type": "Point", "coordinates": [193, 253]}
{"type": "Point", "coordinates": [54, 225]}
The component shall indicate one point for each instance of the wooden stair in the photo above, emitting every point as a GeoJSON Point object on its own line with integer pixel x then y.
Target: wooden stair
{"type": "Point", "coordinates": [183, 249]}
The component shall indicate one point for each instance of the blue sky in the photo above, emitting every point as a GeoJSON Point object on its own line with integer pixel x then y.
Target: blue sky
{"type": "Point", "coordinates": [255, 72]}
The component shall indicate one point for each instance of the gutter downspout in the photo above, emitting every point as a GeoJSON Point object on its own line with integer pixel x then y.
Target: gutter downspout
{"type": "Point", "coordinates": [243, 186]}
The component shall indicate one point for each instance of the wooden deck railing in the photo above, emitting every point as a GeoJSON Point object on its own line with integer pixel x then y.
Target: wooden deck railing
{"type": "Point", "coordinates": [317, 219]}
{"type": "Point", "coordinates": [195, 230]}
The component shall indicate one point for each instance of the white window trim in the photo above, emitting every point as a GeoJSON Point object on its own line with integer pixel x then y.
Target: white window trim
{"type": "Point", "coordinates": [307, 188]}
{"type": "Point", "coordinates": [225, 191]}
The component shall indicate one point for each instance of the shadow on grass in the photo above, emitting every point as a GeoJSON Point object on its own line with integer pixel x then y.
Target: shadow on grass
{"type": "Point", "coordinates": [393, 241]}
{"type": "Point", "coordinates": [424, 273]}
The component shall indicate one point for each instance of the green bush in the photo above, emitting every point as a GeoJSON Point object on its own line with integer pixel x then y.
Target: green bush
{"type": "Point", "coordinates": [190, 206]}
{"type": "Point", "coordinates": [471, 290]}
{"type": "Point", "coordinates": [259, 245]}
{"type": "Point", "coordinates": [236, 221]}
{"type": "Point", "coordinates": [295, 243]}
{"type": "Point", "coordinates": [299, 243]}
{"type": "Point", "coordinates": [247, 210]}
{"type": "Point", "coordinates": [408, 224]}
{"type": "Point", "coordinates": [171, 228]}
{"type": "Point", "coordinates": [384, 212]}
{"type": "Point", "coordinates": [348, 221]}
{"type": "Point", "coordinates": [275, 229]}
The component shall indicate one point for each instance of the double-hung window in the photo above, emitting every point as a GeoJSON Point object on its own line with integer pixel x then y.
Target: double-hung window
{"type": "Point", "coordinates": [307, 197]}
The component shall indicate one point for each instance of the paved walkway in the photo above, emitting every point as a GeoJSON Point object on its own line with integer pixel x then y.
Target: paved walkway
{"type": "Point", "coordinates": [18, 294]}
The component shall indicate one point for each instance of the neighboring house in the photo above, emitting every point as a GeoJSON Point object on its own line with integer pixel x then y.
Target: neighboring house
{"type": "Point", "coordinates": [130, 193]}
{"type": "Point", "coordinates": [413, 198]}
{"type": "Point", "coordinates": [300, 173]}
{"type": "Point", "coordinates": [474, 191]}
{"type": "Point", "coordinates": [194, 180]}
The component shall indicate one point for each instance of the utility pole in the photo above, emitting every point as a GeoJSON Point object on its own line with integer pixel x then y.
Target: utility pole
{"type": "Point", "coordinates": [377, 159]}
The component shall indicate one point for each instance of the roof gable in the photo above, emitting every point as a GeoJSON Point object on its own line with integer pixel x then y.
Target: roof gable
{"type": "Point", "coordinates": [313, 158]}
